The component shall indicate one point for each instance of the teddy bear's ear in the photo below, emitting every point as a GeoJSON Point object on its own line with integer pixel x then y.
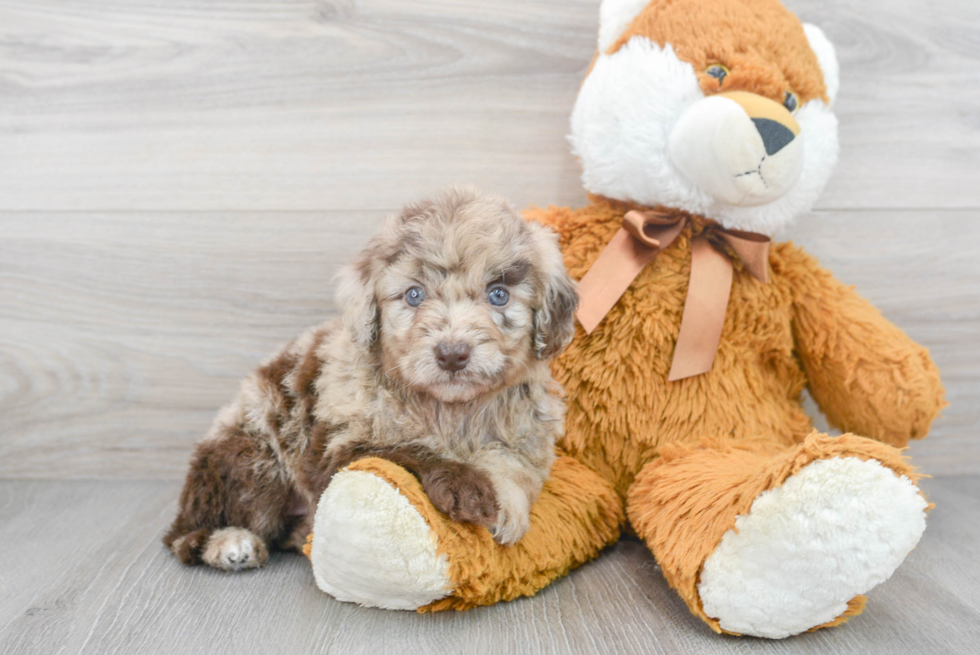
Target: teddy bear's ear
{"type": "Point", "coordinates": [356, 299]}
{"type": "Point", "coordinates": [827, 57]}
{"type": "Point", "coordinates": [614, 17]}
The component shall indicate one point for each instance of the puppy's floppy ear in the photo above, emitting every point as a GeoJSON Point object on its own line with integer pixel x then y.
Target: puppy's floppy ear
{"type": "Point", "coordinates": [554, 319]}
{"type": "Point", "coordinates": [356, 298]}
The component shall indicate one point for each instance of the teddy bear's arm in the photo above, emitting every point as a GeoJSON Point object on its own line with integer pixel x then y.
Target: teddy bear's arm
{"type": "Point", "coordinates": [866, 375]}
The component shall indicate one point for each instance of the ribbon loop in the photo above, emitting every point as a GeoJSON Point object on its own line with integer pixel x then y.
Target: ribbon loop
{"type": "Point", "coordinates": [654, 229]}
{"type": "Point", "coordinates": [636, 244]}
{"type": "Point", "coordinates": [643, 235]}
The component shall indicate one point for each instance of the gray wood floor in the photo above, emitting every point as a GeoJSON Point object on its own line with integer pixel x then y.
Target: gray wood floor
{"type": "Point", "coordinates": [178, 183]}
{"type": "Point", "coordinates": [83, 571]}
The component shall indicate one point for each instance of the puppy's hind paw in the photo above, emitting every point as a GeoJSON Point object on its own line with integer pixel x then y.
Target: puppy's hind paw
{"type": "Point", "coordinates": [235, 549]}
{"type": "Point", "coordinates": [462, 492]}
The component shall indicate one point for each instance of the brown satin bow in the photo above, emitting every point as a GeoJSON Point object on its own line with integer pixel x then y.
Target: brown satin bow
{"type": "Point", "coordinates": [643, 235]}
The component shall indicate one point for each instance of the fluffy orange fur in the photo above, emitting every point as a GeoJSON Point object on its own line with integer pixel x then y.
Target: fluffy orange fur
{"type": "Point", "coordinates": [717, 481]}
{"type": "Point", "coordinates": [683, 459]}
{"type": "Point", "coordinates": [574, 517]}
{"type": "Point", "coordinates": [764, 46]}
{"type": "Point", "coordinates": [803, 329]}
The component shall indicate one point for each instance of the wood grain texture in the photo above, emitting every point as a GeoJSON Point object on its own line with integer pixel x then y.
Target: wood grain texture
{"type": "Point", "coordinates": [922, 270]}
{"type": "Point", "coordinates": [82, 571]}
{"type": "Point", "coordinates": [306, 104]}
{"type": "Point", "coordinates": [122, 334]}
{"type": "Point", "coordinates": [180, 180]}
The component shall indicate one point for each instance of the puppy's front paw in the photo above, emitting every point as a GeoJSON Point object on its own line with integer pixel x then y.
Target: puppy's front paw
{"type": "Point", "coordinates": [235, 549]}
{"type": "Point", "coordinates": [511, 526]}
{"type": "Point", "coordinates": [463, 492]}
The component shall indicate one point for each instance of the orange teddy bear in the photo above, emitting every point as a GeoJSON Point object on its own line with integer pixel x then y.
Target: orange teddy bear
{"type": "Point", "coordinates": [702, 127]}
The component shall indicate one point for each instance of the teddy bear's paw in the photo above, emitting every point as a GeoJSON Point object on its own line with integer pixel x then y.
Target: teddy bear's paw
{"type": "Point", "coordinates": [831, 532]}
{"type": "Point", "coordinates": [371, 546]}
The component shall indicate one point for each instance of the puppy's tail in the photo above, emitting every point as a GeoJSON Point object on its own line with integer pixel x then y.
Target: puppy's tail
{"type": "Point", "coordinates": [200, 510]}
{"type": "Point", "coordinates": [187, 546]}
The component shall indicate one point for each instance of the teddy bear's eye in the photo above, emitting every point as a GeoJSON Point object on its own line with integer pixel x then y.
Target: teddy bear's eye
{"type": "Point", "coordinates": [414, 296]}
{"type": "Point", "coordinates": [790, 101]}
{"type": "Point", "coordinates": [717, 71]}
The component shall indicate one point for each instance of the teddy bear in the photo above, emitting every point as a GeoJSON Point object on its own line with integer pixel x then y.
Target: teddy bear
{"type": "Point", "coordinates": [702, 127]}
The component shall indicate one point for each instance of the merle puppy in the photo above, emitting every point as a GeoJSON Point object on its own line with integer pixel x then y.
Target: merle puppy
{"type": "Point", "coordinates": [439, 363]}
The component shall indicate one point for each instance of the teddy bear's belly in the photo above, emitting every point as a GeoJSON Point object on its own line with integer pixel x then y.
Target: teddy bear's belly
{"type": "Point", "coordinates": [621, 407]}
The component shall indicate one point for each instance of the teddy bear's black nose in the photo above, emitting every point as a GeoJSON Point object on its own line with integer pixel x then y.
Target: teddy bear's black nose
{"type": "Point", "coordinates": [775, 135]}
{"type": "Point", "coordinates": [452, 356]}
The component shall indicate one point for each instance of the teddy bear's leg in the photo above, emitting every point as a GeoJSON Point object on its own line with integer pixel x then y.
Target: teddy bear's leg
{"type": "Point", "coordinates": [770, 542]}
{"type": "Point", "coordinates": [378, 541]}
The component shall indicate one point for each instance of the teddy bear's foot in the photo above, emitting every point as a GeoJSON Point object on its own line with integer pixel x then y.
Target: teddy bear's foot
{"type": "Point", "coordinates": [770, 541]}
{"type": "Point", "coordinates": [379, 541]}
{"type": "Point", "coordinates": [371, 546]}
{"type": "Point", "coordinates": [831, 532]}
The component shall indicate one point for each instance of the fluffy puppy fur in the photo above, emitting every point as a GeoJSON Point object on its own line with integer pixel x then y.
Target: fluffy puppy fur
{"type": "Point", "coordinates": [439, 363]}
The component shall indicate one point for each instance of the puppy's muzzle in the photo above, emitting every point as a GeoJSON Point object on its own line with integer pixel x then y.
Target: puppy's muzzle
{"type": "Point", "coordinates": [452, 356]}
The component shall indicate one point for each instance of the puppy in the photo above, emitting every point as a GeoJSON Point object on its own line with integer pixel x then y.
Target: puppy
{"type": "Point", "coordinates": [439, 363]}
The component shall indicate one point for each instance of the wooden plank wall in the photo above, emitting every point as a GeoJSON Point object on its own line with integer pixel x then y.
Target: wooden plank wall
{"type": "Point", "coordinates": [179, 180]}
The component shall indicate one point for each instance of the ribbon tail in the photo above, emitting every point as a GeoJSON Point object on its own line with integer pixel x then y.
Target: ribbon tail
{"type": "Point", "coordinates": [609, 278]}
{"type": "Point", "coordinates": [704, 311]}
{"type": "Point", "coordinates": [753, 250]}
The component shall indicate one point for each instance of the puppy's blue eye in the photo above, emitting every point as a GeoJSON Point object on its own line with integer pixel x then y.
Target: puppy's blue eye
{"type": "Point", "coordinates": [498, 296]}
{"type": "Point", "coordinates": [414, 296]}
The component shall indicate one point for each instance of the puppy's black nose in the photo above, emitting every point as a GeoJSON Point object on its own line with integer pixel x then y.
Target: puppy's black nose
{"type": "Point", "coordinates": [452, 356]}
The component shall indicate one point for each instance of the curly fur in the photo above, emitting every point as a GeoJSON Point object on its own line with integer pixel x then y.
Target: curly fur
{"type": "Point", "coordinates": [480, 439]}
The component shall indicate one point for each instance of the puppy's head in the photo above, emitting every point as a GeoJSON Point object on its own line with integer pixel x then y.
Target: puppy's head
{"type": "Point", "coordinates": [459, 296]}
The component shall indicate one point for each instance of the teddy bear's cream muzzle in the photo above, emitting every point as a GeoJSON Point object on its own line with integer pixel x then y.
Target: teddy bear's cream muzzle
{"type": "Point", "coordinates": [739, 148]}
